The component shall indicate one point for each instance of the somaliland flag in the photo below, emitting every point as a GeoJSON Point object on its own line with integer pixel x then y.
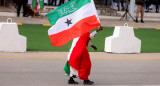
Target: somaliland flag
{"type": "Point", "coordinates": [35, 3]}
{"type": "Point", "coordinates": [72, 20]}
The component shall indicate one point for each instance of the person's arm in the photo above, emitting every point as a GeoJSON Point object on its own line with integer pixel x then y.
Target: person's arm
{"type": "Point", "coordinates": [94, 47]}
{"type": "Point", "coordinates": [99, 29]}
{"type": "Point", "coordinates": [93, 34]}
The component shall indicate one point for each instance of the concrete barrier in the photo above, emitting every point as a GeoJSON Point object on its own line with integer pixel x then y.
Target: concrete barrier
{"type": "Point", "coordinates": [10, 40]}
{"type": "Point", "coordinates": [123, 40]}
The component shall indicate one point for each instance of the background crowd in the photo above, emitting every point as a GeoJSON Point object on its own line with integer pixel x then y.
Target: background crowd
{"type": "Point", "coordinates": [120, 4]}
{"type": "Point", "coordinates": [51, 2]}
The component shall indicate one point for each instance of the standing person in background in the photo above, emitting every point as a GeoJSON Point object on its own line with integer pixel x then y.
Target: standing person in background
{"type": "Point", "coordinates": [147, 5]}
{"type": "Point", "coordinates": [20, 3]}
{"type": "Point", "coordinates": [140, 8]}
{"type": "Point", "coordinates": [2, 1]}
{"type": "Point", "coordinates": [109, 2]}
{"type": "Point", "coordinates": [157, 6]}
{"type": "Point", "coordinates": [61, 2]}
{"type": "Point", "coordinates": [122, 4]}
{"type": "Point", "coordinates": [118, 4]}
{"type": "Point", "coordinates": [105, 1]}
{"type": "Point", "coordinates": [51, 2]}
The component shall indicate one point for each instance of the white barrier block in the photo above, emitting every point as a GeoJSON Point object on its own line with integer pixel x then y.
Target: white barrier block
{"type": "Point", "coordinates": [10, 40]}
{"type": "Point", "coordinates": [123, 41]}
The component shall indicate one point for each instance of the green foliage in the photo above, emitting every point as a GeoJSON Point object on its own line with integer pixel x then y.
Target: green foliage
{"type": "Point", "coordinates": [38, 40]}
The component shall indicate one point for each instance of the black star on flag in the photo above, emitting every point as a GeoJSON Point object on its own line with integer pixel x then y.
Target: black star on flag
{"type": "Point", "coordinates": [68, 22]}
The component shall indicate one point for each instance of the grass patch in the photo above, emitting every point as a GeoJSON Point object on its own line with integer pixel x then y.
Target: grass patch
{"type": "Point", "coordinates": [38, 40]}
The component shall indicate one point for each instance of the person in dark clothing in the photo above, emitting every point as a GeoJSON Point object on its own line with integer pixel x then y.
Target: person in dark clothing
{"type": "Point", "coordinates": [147, 2]}
{"type": "Point", "coordinates": [24, 3]}
{"type": "Point", "coordinates": [157, 6]}
{"type": "Point", "coordinates": [61, 2]}
{"type": "Point", "coordinates": [1, 2]}
{"type": "Point", "coordinates": [118, 4]}
{"type": "Point", "coordinates": [122, 4]}
{"type": "Point", "coordinates": [51, 2]}
{"type": "Point", "coordinates": [140, 8]}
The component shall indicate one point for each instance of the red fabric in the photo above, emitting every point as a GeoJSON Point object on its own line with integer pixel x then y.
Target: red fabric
{"type": "Point", "coordinates": [80, 59]}
{"type": "Point", "coordinates": [36, 6]}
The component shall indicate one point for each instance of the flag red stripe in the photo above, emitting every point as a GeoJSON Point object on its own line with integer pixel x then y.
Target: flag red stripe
{"type": "Point", "coordinates": [36, 6]}
{"type": "Point", "coordinates": [80, 28]}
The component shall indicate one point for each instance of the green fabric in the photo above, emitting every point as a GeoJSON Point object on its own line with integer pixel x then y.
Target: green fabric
{"type": "Point", "coordinates": [41, 3]}
{"type": "Point", "coordinates": [34, 3]}
{"type": "Point", "coordinates": [66, 9]}
{"type": "Point", "coordinates": [67, 68]}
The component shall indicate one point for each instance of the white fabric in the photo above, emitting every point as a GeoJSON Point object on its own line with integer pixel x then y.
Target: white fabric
{"type": "Point", "coordinates": [89, 44]}
{"type": "Point", "coordinates": [93, 34]}
{"type": "Point", "coordinates": [29, 1]}
{"type": "Point", "coordinates": [73, 72]}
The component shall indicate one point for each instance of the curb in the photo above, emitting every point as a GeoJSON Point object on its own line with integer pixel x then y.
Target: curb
{"type": "Point", "coordinates": [105, 27]}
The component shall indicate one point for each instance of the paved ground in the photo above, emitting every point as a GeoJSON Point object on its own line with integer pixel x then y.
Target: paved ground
{"type": "Point", "coordinates": [46, 69]}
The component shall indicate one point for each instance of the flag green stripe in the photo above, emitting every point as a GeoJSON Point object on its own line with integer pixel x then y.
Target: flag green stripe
{"type": "Point", "coordinates": [34, 3]}
{"type": "Point", "coordinates": [41, 3]}
{"type": "Point", "coordinates": [67, 68]}
{"type": "Point", "coordinates": [66, 9]}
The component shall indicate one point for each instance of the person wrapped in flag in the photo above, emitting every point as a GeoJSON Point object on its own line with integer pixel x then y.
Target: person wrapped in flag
{"type": "Point", "coordinates": [79, 63]}
{"type": "Point", "coordinates": [69, 21]}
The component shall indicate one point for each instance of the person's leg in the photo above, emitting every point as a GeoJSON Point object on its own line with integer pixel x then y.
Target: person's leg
{"type": "Point", "coordinates": [157, 6]}
{"type": "Point", "coordinates": [71, 81]}
{"type": "Point", "coordinates": [85, 68]}
{"type": "Point", "coordinates": [49, 1]}
{"type": "Point", "coordinates": [73, 74]}
{"type": "Point", "coordinates": [24, 8]}
{"type": "Point", "coordinates": [122, 4]}
{"type": "Point", "coordinates": [137, 12]}
{"type": "Point", "coordinates": [2, 1]}
{"type": "Point", "coordinates": [61, 2]}
{"type": "Point", "coordinates": [106, 2]}
{"type": "Point", "coordinates": [55, 2]}
{"type": "Point", "coordinates": [19, 7]}
{"type": "Point", "coordinates": [147, 5]}
{"type": "Point", "coordinates": [118, 5]}
{"type": "Point", "coordinates": [142, 13]}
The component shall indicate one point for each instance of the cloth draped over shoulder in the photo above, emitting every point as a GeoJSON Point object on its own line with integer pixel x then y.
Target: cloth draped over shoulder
{"type": "Point", "coordinates": [80, 59]}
